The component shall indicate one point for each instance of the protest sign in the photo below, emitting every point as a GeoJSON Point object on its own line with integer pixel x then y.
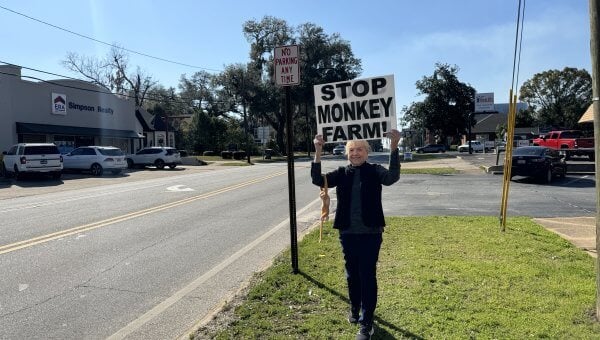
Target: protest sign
{"type": "Point", "coordinates": [355, 109]}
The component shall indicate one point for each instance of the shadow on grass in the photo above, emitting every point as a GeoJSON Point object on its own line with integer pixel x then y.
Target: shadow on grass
{"type": "Point", "coordinates": [380, 332]}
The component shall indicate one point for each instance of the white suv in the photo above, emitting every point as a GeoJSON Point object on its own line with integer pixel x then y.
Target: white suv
{"type": "Point", "coordinates": [157, 156]}
{"type": "Point", "coordinates": [32, 158]}
{"type": "Point", "coordinates": [96, 159]}
{"type": "Point", "coordinates": [476, 146]}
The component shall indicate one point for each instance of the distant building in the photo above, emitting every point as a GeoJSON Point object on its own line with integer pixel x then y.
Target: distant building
{"type": "Point", "coordinates": [73, 113]}
{"type": "Point", "coordinates": [485, 128]}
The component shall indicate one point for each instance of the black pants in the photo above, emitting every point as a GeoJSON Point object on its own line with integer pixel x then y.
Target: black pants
{"type": "Point", "coordinates": [361, 252]}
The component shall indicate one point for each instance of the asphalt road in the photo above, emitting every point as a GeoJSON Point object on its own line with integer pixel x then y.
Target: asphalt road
{"type": "Point", "coordinates": [140, 259]}
{"type": "Point", "coordinates": [149, 254]}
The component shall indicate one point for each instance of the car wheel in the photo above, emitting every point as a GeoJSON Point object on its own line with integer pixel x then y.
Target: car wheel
{"type": "Point", "coordinates": [440, 151]}
{"type": "Point", "coordinates": [159, 163]}
{"type": "Point", "coordinates": [172, 166]}
{"type": "Point", "coordinates": [18, 175]}
{"type": "Point", "coordinates": [548, 176]}
{"type": "Point", "coordinates": [129, 163]}
{"type": "Point", "coordinates": [96, 169]}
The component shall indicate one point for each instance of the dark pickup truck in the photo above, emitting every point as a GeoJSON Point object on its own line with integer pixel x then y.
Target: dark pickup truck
{"type": "Point", "coordinates": [570, 142]}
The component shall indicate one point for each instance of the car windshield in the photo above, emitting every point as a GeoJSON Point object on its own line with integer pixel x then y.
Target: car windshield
{"type": "Point", "coordinates": [40, 150]}
{"type": "Point", "coordinates": [111, 152]}
{"type": "Point", "coordinates": [527, 151]}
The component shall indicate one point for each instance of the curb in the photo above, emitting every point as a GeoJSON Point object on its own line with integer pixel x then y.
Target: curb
{"type": "Point", "coordinates": [575, 170]}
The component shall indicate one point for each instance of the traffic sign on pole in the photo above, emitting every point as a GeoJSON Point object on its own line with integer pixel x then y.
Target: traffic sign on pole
{"type": "Point", "coordinates": [287, 66]}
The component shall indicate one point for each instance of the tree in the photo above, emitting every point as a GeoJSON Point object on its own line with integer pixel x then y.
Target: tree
{"type": "Point", "coordinates": [112, 73]}
{"type": "Point", "coordinates": [323, 58]}
{"type": "Point", "coordinates": [207, 133]}
{"type": "Point", "coordinates": [263, 37]}
{"type": "Point", "coordinates": [558, 98]}
{"type": "Point", "coordinates": [238, 83]}
{"type": "Point", "coordinates": [447, 107]}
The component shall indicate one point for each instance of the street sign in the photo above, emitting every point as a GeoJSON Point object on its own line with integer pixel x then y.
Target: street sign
{"type": "Point", "coordinates": [484, 102]}
{"type": "Point", "coordinates": [287, 66]}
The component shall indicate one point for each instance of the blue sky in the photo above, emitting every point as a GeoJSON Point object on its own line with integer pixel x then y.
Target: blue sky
{"type": "Point", "coordinates": [403, 38]}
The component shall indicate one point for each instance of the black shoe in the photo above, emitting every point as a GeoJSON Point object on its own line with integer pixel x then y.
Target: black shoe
{"type": "Point", "coordinates": [365, 332]}
{"type": "Point", "coordinates": [353, 317]}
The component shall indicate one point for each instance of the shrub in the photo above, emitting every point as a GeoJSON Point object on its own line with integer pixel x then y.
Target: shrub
{"type": "Point", "coordinates": [208, 153]}
{"type": "Point", "coordinates": [239, 154]}
{"type": "Point", "coordinates": [226, 154]}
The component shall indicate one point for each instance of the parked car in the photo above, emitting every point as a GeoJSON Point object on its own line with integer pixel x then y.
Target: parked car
{"type": "Point", "coordinates": [339, 149]}
{"type": "Point", "coordinates": [96, 159]}
{"type": "Point", "coordinates": [157, 156]}
{"type": "Point", "coordinates": [541, 162]}
{"type": "Point", "coordinates": [431, 148]}
{"type": "Point", "coordinates": [476, 146]}
{"type": "Point", "coordinates": [25, 158]}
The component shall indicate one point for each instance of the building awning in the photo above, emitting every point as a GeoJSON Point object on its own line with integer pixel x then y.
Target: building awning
{"type": "Point", "coordinates": [75, 131]}
{"type": "Point", "coordinates": [588, 115]}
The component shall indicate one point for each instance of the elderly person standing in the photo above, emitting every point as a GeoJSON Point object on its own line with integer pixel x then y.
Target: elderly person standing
{"type": "Point", "coordinates": [360, 221]}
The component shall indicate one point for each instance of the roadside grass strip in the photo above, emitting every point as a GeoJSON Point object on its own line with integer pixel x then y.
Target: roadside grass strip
{"type": "Point", "coordinates": [429, 171]}
{"type": "Point", "coordinates": [439, 278]}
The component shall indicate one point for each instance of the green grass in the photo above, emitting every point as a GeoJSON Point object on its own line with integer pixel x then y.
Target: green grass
{"type": "Point", "coordinates": [429, 171]}
{"type": "Point", "coordinates": [439, 278]}
{"type": "Point", "coordinates": [426, 156]}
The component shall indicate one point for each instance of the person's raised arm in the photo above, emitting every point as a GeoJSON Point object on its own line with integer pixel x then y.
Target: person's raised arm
{"type": "Point", "coordinates": [394, 136]}
{"type": "Point", "coordinates": [319, 142]}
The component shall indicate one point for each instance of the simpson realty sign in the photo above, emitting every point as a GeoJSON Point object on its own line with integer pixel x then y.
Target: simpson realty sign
{"type": "Point", "coordinates": [355, 109]}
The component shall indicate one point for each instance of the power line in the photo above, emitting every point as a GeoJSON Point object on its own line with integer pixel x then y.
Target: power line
{"type": "Point", "coordinates": [518, 45]}
{"type": "Point", "coordinates": [181, 100]}
{"type": "Point", "coordinates": [105, 43]}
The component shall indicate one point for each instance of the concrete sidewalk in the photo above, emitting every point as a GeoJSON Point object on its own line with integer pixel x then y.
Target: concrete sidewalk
{"type": "Point", "coordinates": [580, 231]}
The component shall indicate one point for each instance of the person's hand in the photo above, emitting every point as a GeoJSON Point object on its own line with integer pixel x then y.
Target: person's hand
{"type": "Point", "coordinates": [394, 136]}
{"type": "Point", "coordinates": [319, 142]}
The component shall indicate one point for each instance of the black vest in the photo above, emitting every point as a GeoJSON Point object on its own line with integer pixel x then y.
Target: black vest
{"type": "Point", "coordinates": [370, 197]}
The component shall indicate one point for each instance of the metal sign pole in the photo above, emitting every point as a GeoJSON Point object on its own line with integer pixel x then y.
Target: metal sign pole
{"type": "Point", "coordinates": [291, 180]}
{"type": "Point", "coordinates": [287, 73]}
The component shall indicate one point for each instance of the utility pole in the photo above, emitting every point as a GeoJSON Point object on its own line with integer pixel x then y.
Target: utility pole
{"type": "Point", "coordinates": [594, 46]}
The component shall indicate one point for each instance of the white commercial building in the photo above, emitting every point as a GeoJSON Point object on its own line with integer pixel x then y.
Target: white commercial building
{"type": "Point", "coordinates": [69, 113]}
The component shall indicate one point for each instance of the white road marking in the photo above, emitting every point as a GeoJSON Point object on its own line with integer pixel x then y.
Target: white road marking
{"type": "Point", "coordinates": [170, 301]}
{"type": "Point", "coordinates": [179, 187]}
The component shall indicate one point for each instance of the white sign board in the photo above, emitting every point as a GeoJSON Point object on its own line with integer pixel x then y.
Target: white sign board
{"type": "Point", "coordinates": [355, 109]}
{"type": "Point", "coordinates": [287, 66]}
{"type": "Point", "coordinates": [263, 133]}
{"type": "Point", "coordinates": [484, 102]}
{"type": "Point", "coordinates": [59, 104]}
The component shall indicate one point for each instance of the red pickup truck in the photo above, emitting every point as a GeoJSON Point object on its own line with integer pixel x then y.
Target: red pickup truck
{"type": "Point", "coordinates": [571, 142]}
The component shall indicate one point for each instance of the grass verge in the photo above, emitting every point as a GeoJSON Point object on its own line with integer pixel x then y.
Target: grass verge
{"type": "Point", "coordinates": [429, 171]}
{"type": "Point", "coordinates": [439, 278]}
